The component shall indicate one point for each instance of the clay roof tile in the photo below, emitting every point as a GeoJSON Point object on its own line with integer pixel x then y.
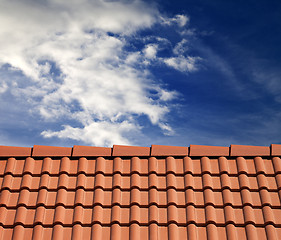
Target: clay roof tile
{"type": "Point", "coordinates": [132, 192]}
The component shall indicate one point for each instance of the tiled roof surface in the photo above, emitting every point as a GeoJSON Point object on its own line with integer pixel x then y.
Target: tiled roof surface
{"type": "Point", "coordinates": [162, 192]}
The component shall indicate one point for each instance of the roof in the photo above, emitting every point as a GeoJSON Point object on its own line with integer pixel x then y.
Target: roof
{"type": "Point", "coordinates": [126, 192]}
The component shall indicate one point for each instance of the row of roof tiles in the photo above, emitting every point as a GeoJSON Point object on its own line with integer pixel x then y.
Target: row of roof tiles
{"type": "Point", "coordinates": [154, 150]}
{"type": "Point", "coordinates": [161, 183]}
{"type": "Point", "coordinates": [137, 232]}
{"type": "Point", "coordinates": [140, 215]}
{"type": "Point", "coordinates": [237, 199]}
{"type": "Point", "coordinates": [142, 166]}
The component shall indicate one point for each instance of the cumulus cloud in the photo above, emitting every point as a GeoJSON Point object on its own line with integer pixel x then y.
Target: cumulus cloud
{"type": "Point", "coordinates": [78, 66]}
{"type": "Point", "coordinates": [150, 51]}
{"type": "Point", "coordinates": [183, 64]}
{"type": "Point", "coordinates": [179, 19]}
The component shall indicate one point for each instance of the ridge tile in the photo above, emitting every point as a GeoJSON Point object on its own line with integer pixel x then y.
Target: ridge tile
{"type": "Point", "coordinates": [50, 151]}
{"type": "Point", "coordinates": [119, 150]}
{"type": "Point", "coordinates": [201, 151]}
{"type": "Point", "coordinates": [275, 149]}
{"type": "Point", "coordinates": [87, 151]}
{"type": "Point", "coordinates": [244, 150]}
{"type": "Point", "coordinates": [8, 151]}
{"type": "Point", "coordinates": [161, 150]}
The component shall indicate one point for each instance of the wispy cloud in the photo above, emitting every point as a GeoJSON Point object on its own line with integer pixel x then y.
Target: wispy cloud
{"type": "Point", "coordinates": [76, 67]}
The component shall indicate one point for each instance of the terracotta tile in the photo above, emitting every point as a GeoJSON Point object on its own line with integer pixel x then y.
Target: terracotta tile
{"type": "Point", "coordinates": [125, 215]}
{"type": "Point", "coordinates": [206, 165]}
{"type": "Point", "coordinates": [18, 232]}
{"type": "Point", "coordinates": [212, 232]}
{"type": "Point", "coordinates": [52, 182]}
{"type": "Point", "coordinates": [208, 196]}
{"type": "Point", "coordinates": [199, 198]}
{"type": "Point", "coordinates": [260, 167]}
{"type": "Point", "coordinates": [2, 166]}
{"type": "Point", "coordinates": [251, 166]}
{"type": "Point", "coordinates": [180, 183]}
{"type": "Point", "coordinates": [162, 198]}
{"type": "Point", "coordinates": [7, 233]}
{"type": "Point", "coordinates": [237, 200]}
{"type": "Point", "coordinates": [125, 198]}
{"type": "Point", "coordinates": [90, 182]}
{"type": "Point", "coordinates": [172, 195]}
{"type": "Point", "coordinates": [210, 214]}
{"type": "Point", "coordinates": [46, 165]}
{"type": "Point", "coordinates": [221, 233]}
{"type": "Point", "coordinates": [234, 183]}
{"type": "Point", "coordinates": [214, 166]}
{"type": "Point", "coordinates": [55, 166]}
{"type": "Point", "coordinates": [32, 199]}
{"type": "Point", "coordinates": [268, 215]}
{"type": "Point", "coordinates": [276, 213]}
{"type": "Point", "coordinates": [108, 166]}
{"type": "Point", "coordinates": [91, 168]}
{"type": "Point", "coordinates": [241, 150]}
{"type": "Point", "coordinates": [163, 232]}
{"type": "Point", "coordinates": [241, 233]}
{"type": "Point", "coordinates": [86, 151]}
{"type": "Point", "coordinates": [190, 196]}
{"type": "Point", "coordinates": [253, 183]}
{"type": "Point", "coordinates": [259, 216]}
{"type": "Point", "coordinates": [198, 150]}
{"type": "Point", "coordinates": [135, 196]}
{"type": "Point", "coordinates": [268, 166]}
{"type": "Point", "coordinates": [126, 166]}
{"type": "Point", "coordinates": [51, 199]}
{"type": "Point", "coordinates": [239, 216]}
{"type": "Point", "coordinates": [10, 216]}
{"type": "Point", "coordinates": [274, 199]}
{"type": "Point", "coordinates": [275, 149]}
{"type": "Point", "coordinates": [50, 151]}
{"type": "Point", "coordinates": [162, 184]}
{"type": "Point", "coordinates": [271, 232]}
{"type": "Point", "coordinates": [18, 167]}
{"type": "Point", "coordinates": [161, 166]}
{"type": "Point", "coordinates": [218, 199]}
{"type": "Point", "coordinates": [261, 233]}
{"type": "Point", "coordinates": [160, 150]}
{"type": "Point", "coordinates": [277, 164]}
{"type": "Point", "coordinates": [196, 169]}
{"type": "Point", "coordinates": [135, 180]}
{"type": "Point", "coordinates": [89, 198]}
{"type": "Point", "coordinates": [29, 165]}
{"type": "Point", "coordinates": [211, 182]}
{"type": "Point", "coordinates": [15, 183]}
{"type": "Point", "coordinates": [7, 151]}
{"type": "Point", "coordinates": [119, 150]}
{"type": "Point", "coordinates": [198, 183]}
{"type": "Point", "coordinates": [179, 166]}
{"type": "Point", "coordinates": [232, 166]}
{"type": "Point", "coordinates": [100, 165]}
{"type": "Point", "coordinates": [200, 215]}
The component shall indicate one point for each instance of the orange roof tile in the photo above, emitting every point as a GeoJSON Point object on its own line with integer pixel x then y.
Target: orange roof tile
{"type": "Point", "coordinates": [162, 192]}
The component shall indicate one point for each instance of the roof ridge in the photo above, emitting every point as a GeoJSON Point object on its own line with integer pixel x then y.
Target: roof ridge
{"type": "Point", "coordinates": [154, 150]}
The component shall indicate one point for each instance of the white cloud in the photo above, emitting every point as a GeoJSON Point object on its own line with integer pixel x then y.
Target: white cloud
{"type": "Point", "coordinates": [183, 64]}
{"type": "Point", "coordinates": [74, 57]}
{"type": "Point", "coordinates": [99, 133]}
{"type": "Point", "coordinates": [181, 47]}
{"type": "Point", "coordinates": [3, 87]}
{"type": "Point", "coordinates": [150, 51]}
{"type": "Point", "coordinates": [180, 20]}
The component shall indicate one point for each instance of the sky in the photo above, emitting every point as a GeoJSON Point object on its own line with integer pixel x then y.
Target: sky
{"type": "Point", "coordinates": [139, 72]}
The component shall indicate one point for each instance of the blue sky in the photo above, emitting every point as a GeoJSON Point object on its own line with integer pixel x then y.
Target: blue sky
{"type": "Point", "coordinates": [98, 72]}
